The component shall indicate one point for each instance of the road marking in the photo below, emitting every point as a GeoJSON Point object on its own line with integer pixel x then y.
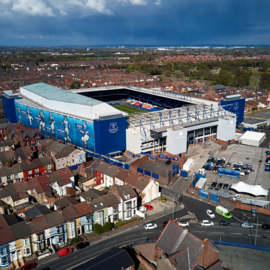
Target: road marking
{"type": "Point", "coordinates": [254, 235]}
{"type": "Point", "coordinates": [199, 231]}
{"type": "Point", "coordinates": [236, 233]}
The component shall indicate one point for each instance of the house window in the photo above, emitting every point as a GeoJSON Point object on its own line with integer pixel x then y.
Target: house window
{"type": "Point", "coordinates": [60, 229]}
{"type": "Point", "coordinates": [71, 225]}
{"type": "Point", "coordinates": [36, 170]}
{"type": "Point", "coordinates": [8, 177]}
{"type": "Point", "coordinates": [4, 250]}
{"type": "Point", "coordinates": [40, 237]}
{"type": "Point", "coordinates": [49, 166]}
{"type": "Point", "coordinates": [41, 246]}
{"type": "Point", "coordinates": [8, 199]}
{"type": "Point", "coordinates": [33, 191]}
{"type": "Point", "coordinates": [30, 172]}
{"type": "Point", "coordinates": [99, 215]}
{"type": "Point", "coordinates": [16, 175]}
{"type": "Point", "coordinates": [72, 234]}
{"type": "Point", "coordinates": [60, 239]}
{"type": "Point", "coordinates": [88, 219]}
{"type": "Point", "coordinates": [27, 251]}
{"type": "Point", "coordinates": [128, 214]}
{"type": "Point", "coordinates": [26, 242]}
{"type": "Point", "coordinates": [88, 228]}
{"type": "Point", "coordinates": [5, 260]}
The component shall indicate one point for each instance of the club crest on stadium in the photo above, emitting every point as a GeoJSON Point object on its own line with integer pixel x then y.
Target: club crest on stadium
{"type": "Point", "coordinates": [113, 127]}
{"type": "Point", "coordinates": [236, 106]}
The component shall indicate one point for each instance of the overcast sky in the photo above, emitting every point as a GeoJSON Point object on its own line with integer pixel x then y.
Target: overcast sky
{"type": "Point", "coordinates": [135, 22]}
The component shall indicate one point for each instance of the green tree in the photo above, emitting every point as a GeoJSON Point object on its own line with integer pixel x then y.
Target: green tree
{"type": "Point", "coordinates": [178, 74]}
{"type": "Point", "coordinates": [107, 226]}
{"type": "Point", "coordinates": [254, 82]}
{"type": "Point", "coordinates": [225, 77]}
{"type": "Point", "coordinates": [98, 229]}
{"type": "Point", "coordinates": [75, 85]}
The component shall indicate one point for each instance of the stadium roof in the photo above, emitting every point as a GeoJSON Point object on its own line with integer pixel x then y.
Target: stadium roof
{"type": "Point", "coordinates": [54, 93]}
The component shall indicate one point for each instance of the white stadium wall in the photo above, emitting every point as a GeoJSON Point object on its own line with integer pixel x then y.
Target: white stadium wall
{"type": "Point", "coordinates": [226, 128]}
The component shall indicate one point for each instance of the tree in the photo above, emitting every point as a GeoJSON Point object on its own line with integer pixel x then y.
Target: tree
{"type": "Point", "coordinates": [254, 82]}
{"type": "Point", "coordinates": [107, 226]}
{"type": "Point", "coordinates": [75, 85]}
{"type": "Point", "coordinates": [178, 74]}
{"type": "Point", "coordinates": [98, 229]}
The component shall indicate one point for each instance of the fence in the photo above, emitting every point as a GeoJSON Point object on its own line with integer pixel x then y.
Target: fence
{"type": "Point", "coordinates": [242, 245]}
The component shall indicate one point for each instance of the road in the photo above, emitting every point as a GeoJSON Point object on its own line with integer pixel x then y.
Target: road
{"type": "Point", "coordinates": [136, 232]}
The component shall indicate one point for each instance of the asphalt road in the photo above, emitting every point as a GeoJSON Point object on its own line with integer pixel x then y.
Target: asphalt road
{"type": "Point", "coordinates": [137, 232]}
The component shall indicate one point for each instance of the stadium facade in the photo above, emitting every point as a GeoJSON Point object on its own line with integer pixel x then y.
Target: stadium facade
{"type": "Point", "coordinates": [84, 118]}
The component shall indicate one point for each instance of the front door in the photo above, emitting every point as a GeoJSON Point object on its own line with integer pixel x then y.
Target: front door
{"type": "Point", "coordinates": [14, 256]}
{"type": "Point", "coordinates": [79, 231]}
{"type": "Point", "coordinates": [19, 254]}
{"type": "Point", "coordinates": [83, 231]}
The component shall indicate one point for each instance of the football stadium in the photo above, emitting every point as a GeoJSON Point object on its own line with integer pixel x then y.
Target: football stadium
{"type": "Point", "coordinates": [110, 120]}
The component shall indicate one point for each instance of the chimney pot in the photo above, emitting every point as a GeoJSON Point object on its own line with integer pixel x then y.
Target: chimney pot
{"type": "Point", "coordinates": [59, 209]}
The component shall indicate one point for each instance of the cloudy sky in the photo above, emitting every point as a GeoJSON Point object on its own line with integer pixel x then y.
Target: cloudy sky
{"type": "Point", "coordinates": [135, 22]}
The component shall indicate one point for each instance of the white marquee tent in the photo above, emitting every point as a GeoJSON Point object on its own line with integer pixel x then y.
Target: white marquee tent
{"type": "Point", "coordinates": [255, 190]}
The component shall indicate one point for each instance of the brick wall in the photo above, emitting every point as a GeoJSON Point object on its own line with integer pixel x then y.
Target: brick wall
{"type": "Point", "coordinates": [137, 163]}
{"type": "Point", "coordinates": [145, 263]}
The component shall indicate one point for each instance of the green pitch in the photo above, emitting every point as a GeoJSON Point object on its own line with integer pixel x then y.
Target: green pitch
{"type": "Point", "coordinates": [128, 109]}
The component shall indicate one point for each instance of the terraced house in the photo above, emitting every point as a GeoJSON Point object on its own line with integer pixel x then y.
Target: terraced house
{"type": "Point", "coordinates": [41, 232]}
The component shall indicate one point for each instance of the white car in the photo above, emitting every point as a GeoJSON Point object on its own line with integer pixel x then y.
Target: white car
{"type": "Point", "coordinates": [207, 223]}
{"type": "Point", "coordinates": [236, 197]}
{"type": "Point", "coordinates": [239, 163]}
{"type": "Point", "coordinates": [150, 226]}
{"type": "Point", "coordinates": [210, 213]}
{"type": "Point", "coordinates": [142, 209]}
{"type": "Point", "coordinates": [183, 223]}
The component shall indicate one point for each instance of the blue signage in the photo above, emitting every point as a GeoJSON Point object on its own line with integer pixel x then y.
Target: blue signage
{"type": "Point", "coordinates": [113, 127]}
{"type": "Point", "coordinates": [235, 106]}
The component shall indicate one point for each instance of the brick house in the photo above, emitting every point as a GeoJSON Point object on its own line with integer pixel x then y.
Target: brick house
{"type": "Point", "coordinates": [184, 250]}
{"type": "Point", "coordinates": [71, 158]}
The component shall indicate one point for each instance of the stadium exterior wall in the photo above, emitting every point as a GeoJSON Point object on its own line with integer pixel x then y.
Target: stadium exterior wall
{"type": "Point", "coordinates": [236, 106]}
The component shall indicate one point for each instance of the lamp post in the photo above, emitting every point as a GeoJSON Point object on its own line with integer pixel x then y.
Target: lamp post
{"type": "Point", "coordinates": [256, 232]}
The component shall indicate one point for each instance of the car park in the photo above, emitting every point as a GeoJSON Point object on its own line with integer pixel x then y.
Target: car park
{"type": "Point", "coordinates": [224, 223]}
{"type": "Point", "coordinates": [162, 199]}
{"type": "Point", "coordinates": [148, 206]}
{"type": "Point", "coordinates": [64, 251]}
{"type": "Point", "coordinates": [247, 225]}
{"type": "Point", "coordinates": [210, 213]}
{"type": "Point", "coordinates": [219, 185]}
{"type": "Point", "coordinates": [29, 266]}
{"type": "Point", "coordinates": [207, 223]}
{"type": "Point", "coordinates": [213, 184]}
{"type": "Point", "coordinates": [82, 245]}
{"type": "Point", "coordinates": [183, 223]}
{"type": "Point", "coordinates": [150, 226]}
{"type": "Point", "coordinates": [266, 226]}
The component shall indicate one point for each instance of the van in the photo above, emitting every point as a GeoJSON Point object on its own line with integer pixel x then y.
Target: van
{"type": "Point", "coordinates": [223, 212]}
{"type": "Point", "coordinates": [64, 251]}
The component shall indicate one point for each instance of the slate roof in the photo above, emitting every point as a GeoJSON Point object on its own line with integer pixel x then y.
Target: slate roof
{"type": "Point", "coordinates": [84, 208]}
{"type": "Point", "coordinates": [10, 191]}
{"type": "Point", "coordinates": [62, 177]}
{"type": "Point", "coordinates": [65, 153]}
{"type": "Point", "coordinates": [107, 169]}
{"type": "Point", "coordinates": [92, 193]}
{"type": "Point", "coordinates": [107, 200]}
{"type": "Point", "coordinates": [116, 258]}
{"type": "Point", "coordinates": [36, 211]}
{"type": "Point", "coordinates": [66, 202]}
{"type": "Point", "coordinates": [6, 235]}
{"type": "Point", "coordinates": [5, 171]}
{"type": "Point", "coordinates": [126, 192]}
{"type": "Point", "coordinates": [174, 239]}
{"type": "Point", "coordinates": [21, 230]}
{"type": "Point", "coordinates": [54, 218]}
{"type": "Point", "coordinates": [39, 224]}
{"type": "Point", "coordinates": [7, 220]}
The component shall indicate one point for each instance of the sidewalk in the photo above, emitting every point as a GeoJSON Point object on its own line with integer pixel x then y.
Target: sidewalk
{"type": "Point", "coordinates": [118, 231]}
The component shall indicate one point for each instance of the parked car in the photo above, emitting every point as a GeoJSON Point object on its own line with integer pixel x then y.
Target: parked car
{"type": "Point", "coordinates": [219, 185]}
{"type": "Point", "coordinates": [224, 223]}
{"type": "Point", "coordinates": [208, 167]}
{"type": "Point", "coordinates": [236, 197]}
{"type": "Point", "coordinates": [228, 164]}
{"type": "Point", "coordinates": [64, 251]}
{"type": "Point", "coordinates": [148, 206]}
{"type": "Point", "coordinates": [226, 186]}
{"type": "Point", "coordinates": [247, 225]}
{"type": "Point", "coordinates": [267, 152]}
{"type": "Point", "coordinates": [150, 226]}
{"type": "Point", "coordinates": [168, 162]}
{"type": "Point", "coordinates": [82, 245]}
{"type": "Point", "coordinates": [162, 199]}
{"type": "Point", "coordinates": [266, 226]}
{"type": "Point", "coordinates": [165, 223]}
{"type": "Point", "coordinates": [183, 223]}
{"type": "Point", "coordinates": [239, 163]}
{"type": "Point", "coordinates": [207, 223]}
{"type": "Point", "coordinates": [210, 213]}
{"type": "Point", "coordinates": [213, 184]}
{"type": "Point", "coordinates": [29, 266]}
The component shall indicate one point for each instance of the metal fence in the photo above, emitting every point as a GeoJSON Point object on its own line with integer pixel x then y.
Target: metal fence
{"type": "Point", "coordinates": [242, 245]}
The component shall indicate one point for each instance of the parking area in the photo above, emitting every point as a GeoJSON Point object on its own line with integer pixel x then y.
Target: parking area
{"type": "Point", "coordinates": [159, 206]}
{"type": "Point", "coordinates": [245, 154]}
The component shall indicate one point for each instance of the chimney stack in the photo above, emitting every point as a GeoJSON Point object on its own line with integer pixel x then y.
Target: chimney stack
{"type": "Point", "coordinates": [59, 209]}
{"type": "Point", "coordinates": [84, 164]}
{"type": "Point", "coordinates": [110, 165]}
{"type": "Point", "coordinates": [8, 165]}
{"type": "Point", "coordinates": [1, 187]}
{"type": "Point", "coordinates": [25, 180]}
{"type": "Point", "coordinates": [27, 220]}
{"type": "Point", "coordinates": [88, 199]}
{"type": "Point", "coordinates": [174, 263]}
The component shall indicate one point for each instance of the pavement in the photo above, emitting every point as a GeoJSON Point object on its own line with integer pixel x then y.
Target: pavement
{"type": "Point", "coordinates": [135, 232]}
{"type": "Point", "coordinates": [234, 258]}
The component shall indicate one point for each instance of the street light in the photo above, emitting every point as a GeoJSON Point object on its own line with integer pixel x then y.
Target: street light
{"type": "Point", "coordinates": [256, 231]}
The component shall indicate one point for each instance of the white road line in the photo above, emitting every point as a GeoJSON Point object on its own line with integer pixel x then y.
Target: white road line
{"type": "Point", "coordinates": [236, 233]}
{"type": "Point", "coordinates": [199, 231]}
{"type": "Point", "coordinates": [254, 235]}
